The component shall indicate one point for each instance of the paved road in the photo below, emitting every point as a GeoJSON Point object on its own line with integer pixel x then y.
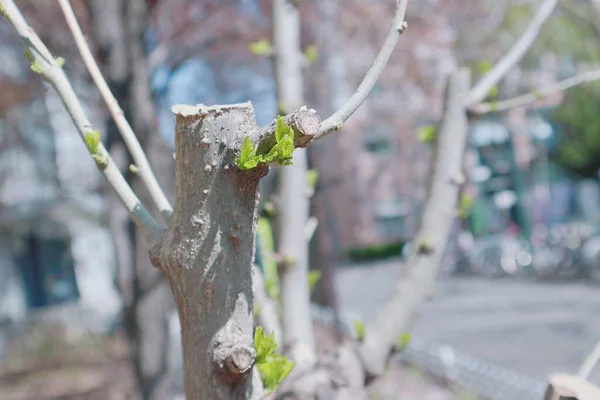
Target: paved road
{"type": "Point", "coordinates": [530, 327]}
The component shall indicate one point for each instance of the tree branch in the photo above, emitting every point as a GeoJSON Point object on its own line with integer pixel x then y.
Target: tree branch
{"type": "Point", "coordinates": [303, 121]}
{"type": "Point", "coordinates": [440, 210]}
{"type": "Point", "coordinates": [514, 55]}
{"type": "Point", "coordinates": [129, 137]}
{"type": "Point", "coordinates": [590, 362]}
{"type": "Point", "coordinates": [335, 122]}
{"type": "Point", "coordinates": [44, 63]}
{"type": "Point", "coordinates": [534, 96]}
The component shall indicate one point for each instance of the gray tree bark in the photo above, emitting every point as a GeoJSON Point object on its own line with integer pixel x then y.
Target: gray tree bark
{"type": "Point", "coordinates": [293, 206]}
{"type": "Point", "coordinates": [207, 251]}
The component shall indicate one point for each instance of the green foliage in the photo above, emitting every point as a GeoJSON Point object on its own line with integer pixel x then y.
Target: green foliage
{"type": "Point", "coordinates": [133, 169]}
{"type": "Point", "coordinates": [248, 158]}
{"type": "Point", "coordinates": [280, 153]}
{"type": "Point", "coordinates": [313, 278]}
{"type": "Point", "coordinates": [373, 253]}
{"type": "Point", "coordinates": [273, 367]}
{"type": "Point", "coordinates": [36, 66]}
{"type": "Point", "coordinates": [265, 345]}
{"type": "Point", "coordinates": [261, 48]}
{"type": "Point", "coordinates": [483, 67]}
{"type": "Point", "coordinates": [404, 340]}
{"type": "Point", "coordinates": [359, 327]}
{"type": "Point", "coordinates": [427, 134]}
{"type": "Point", "coordinates": [578, 126]}
{"type": "Point", "coordinates": [311, 54]}
{"type": "Point", "coordinates": [312, 177]}
{"type": "Point", "coordinates": [60, 62]}
{"type": "Point", "coordinates": [34, 63]}
{"type": "Point", "coordinates": [92, 141]}
{"type": "Point", "coordinates": [265, 231]}
{"type": "Point", "coordinates": [465, 204]}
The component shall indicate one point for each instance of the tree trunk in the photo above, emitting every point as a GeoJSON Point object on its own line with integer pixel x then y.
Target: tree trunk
{"type": "Point", "coordinates": [207, 251]}
{"type": "Point", "coordinates": [119, 27]}
{"type": "Point", "coordinates": [439, 212]}
{"type": "Point", "coordinates": [293, 207]}
{"type": "Point", "coordinates": [328, 244]}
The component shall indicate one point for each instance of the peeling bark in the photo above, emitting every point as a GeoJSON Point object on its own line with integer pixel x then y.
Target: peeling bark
{"type": "Point", "coordinates": [208, 248]}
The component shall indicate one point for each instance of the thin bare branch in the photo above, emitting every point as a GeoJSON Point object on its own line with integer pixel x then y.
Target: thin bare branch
{"type": "Point", "coordinates": [514, 55]}
{"type": "Point", "coordinates": [537, 95]}
{"type": "Point", "coordinates": [129, 137]}
{"type": "Point", "coordinates": [49, 69]}
{"type": "Point", "coordinates": [414, 287]}
{"type": "Point", "coordinates": [335, 122]}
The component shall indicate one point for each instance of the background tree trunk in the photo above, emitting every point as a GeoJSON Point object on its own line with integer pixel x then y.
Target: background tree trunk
{"type": "Point", "coordinates": [293, 206]}
{"type": "Point", "coordinates": [439, 211]}
{"type": "Point", "coordinates": [119, 28]}
{"type": "Point", "coordinates": [327, 241]}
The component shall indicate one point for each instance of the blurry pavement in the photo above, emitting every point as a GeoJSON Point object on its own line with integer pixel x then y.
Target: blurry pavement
{"type": "Point", "coordinates": [533, 328]}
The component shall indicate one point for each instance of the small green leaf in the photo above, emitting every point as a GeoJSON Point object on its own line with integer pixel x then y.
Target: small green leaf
{"type": "Point", "coordinates": [427, 134]}
{"type": "Point", "coordinates": [312, 177]}
{"type": "Point", "coordinates": [264, 344]}
{"type": "Point", "coordinates": [60, 61]}
{"type": "Point", "coordinates": [466, 202]}
{"type": "Point", "coordinates": [359, 326]}
{"type": "Point", "coordinates": [282, 130]}
{"type": "Point", "coordinates": [36, 66]}
{"type": "Point", "coordinates": [313, 278]}
{"type": "Point", "coordinates": [92, 141]}
{"type": "Point", "coordinates": [248, 158]}
{"type": "Point", "coordinates": [274, 371]}
{"type": "Point", "coordinates": [133, 169]}
{"type": "Point", "coordinates": [483, 67]}
{"type": "Point", "coordinates": [273, 367]}
{"type": "Point", "coordinates": [311, 54]}
{"type": "Point", "coordinates": [281, 152]}
{"type": "Point", "coordinates": [493, 92]}
{"type": "Point", "coordinates": [404, 340]}
{"type": "Point", "coordinates": [261, 48]}
{"type": "Point", "coordinates": [493, 105]}
{"type": "Point", "coordinates": [248, 149]}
